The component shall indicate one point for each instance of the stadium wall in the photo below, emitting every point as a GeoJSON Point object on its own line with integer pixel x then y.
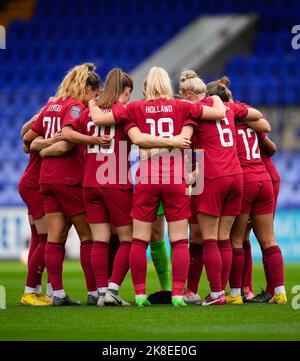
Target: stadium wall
{"type": "Point", "coordinates": [14, 231]}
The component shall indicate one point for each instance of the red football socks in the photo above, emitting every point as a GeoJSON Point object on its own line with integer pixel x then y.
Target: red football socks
{"type": "Point", "coordinates": [34, 242]}
{"type": "Point", "coordinates": [275, 266]}
{"type": "Point", "coordinates": [138, 265]}
{"type": "Point", "coordinates": [237, 267]}
{"type": "Point", "coordinates": [226, 256]}
{"type": "Point", "coordinates": [247, 274]}
{"type": "Point", "coordinates": [36, 264]}
{"type": "Point", "coordinates": [213, 264]}
{"type": "Point", "coordinates": [114, 244]}
{"type": "Point", "coordinates": [196, 266]}
{"type": "Point", "coordinates": [99, 258]}
{"type": "Point", "coordinates": [269, 287]}
{"type": "Point", "coordinates": [121, 263]}
{"type": "Point", "coordinates": [54, 255]}
{"type": "Point", "coordinates": [86, 264]}
{"type": "Point", "coordinates": [180, 266]}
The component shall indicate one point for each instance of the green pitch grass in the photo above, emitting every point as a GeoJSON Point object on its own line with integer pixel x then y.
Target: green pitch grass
{"type": "Point", "coordinates": [159, 323]}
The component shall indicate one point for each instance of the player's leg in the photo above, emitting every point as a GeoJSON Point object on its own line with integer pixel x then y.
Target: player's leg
{"type": "Point", "coordinates": [176, 202]}
{"type": "Point", "coordinates": [114, 244]}
{"type": "Point", "coordinates": [159, 251]}
{"type": "Point", "coordinates": [196, 263]}
{"type": "Point", "coordinates": [34, 238]}
{"type": "Point", "coordinates": [54, 253]}
{"type": "Point", "coordinates": [211, 258]}
{"type": "Point", "coordinates": [238, 258]}
{"type": "Point", "coordinates": [146, 200]}
{"type": "Point", "coordinates": [119, 212]}
{"type": "Point", "coordinates": [55, 198]}
{"type": "Point", "coordinates": [161, 260]}
{"type": "Point", "coordinates": [120, 267]}
{"type": "Point", "coordinates": [138, 259]}
{"type": "Point", "coordinates": [263, 225]}
{"type": "Point", "coordinates": [71, 200]}
{"type": "Point", "coordinates": [86, 245]}
{"type": "Point", "coordinates": [269, 291]}
{"type": "Point", "coordinates": [247, 287]}
{"type": "Point", "coordinates": [224, 244]}
{"type": "Point", "coordinates": [36, 263]}
{"type": "Point", "coordinates": [178, 234]}
{"type": "Point", "coordinates": [36, 258]}
{"type": "Point", "coordinates": [101, 233]}
{"type": "Point", "coordinates": [231, 208]}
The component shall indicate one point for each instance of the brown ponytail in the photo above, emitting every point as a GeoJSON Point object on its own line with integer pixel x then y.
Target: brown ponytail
{"type": "Point", "coordinates": [115, 83]}
{"type": "Point", "coordinates": [220, 88]}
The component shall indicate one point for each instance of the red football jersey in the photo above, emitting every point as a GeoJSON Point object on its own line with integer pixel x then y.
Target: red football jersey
{"type": "Point", "coordinates": [270, 167]}
{"type": "Point", "coordinates": [249, 154]}
{"type": "Point", "coordinates": [68, 168]}
{"type": "Point", "coordinates": [218, 139]}
{"type": "Point", "coordinates": [31, 175]}
{"type": "Point", "coordinates": [164, 118]}
{"type": "Point", "coordinates": [104, 167]}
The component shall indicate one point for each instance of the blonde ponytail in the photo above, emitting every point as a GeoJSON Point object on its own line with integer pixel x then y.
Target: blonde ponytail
{"type": "Point", "coordinates": [158, 84]}
{"type": "Point", "coordinates": [76, 80]}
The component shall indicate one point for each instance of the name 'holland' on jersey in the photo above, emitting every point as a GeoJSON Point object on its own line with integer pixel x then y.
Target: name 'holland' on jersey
{"type": "Point", "coordinates": [153, 109]}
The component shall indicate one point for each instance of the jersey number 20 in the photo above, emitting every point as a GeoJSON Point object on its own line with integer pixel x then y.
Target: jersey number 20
{"type": "Point", "coordinates": [100, 131]}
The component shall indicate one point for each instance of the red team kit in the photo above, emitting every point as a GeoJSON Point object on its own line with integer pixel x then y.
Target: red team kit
{"type": "Point", "coordinates": [91, 186]}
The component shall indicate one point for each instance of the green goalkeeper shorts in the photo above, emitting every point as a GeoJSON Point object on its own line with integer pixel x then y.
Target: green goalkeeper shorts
{"type": "Point", "coordinates": [161, 210]}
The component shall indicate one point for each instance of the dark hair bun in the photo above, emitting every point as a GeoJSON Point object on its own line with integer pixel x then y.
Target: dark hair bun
{"type": "Point", "coordinates": [91, 67]}
{"type": "Point", "coordinates": [224, 80]}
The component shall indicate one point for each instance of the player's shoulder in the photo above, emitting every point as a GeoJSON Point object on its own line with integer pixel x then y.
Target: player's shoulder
{"type": "Point", "coordinates": [72, 101]}
{"type": "Point", "coordinates": [73, 108]}
{"type": "Point", "coordinates": [86, 114]}
{"type": "Point", "coordinates": [238, 103]}
{"type": "Point", "coordinates": [207, 101]}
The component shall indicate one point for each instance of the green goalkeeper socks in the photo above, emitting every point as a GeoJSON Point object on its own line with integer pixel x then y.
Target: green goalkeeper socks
{"type": "Point", "coordinates": [159, 254]}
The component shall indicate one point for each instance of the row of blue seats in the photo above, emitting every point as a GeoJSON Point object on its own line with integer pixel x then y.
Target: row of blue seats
{"type": "Point", "coordinates": [213, 5]}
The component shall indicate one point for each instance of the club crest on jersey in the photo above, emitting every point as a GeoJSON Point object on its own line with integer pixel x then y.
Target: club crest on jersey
{"type": "Point", "coordinates": [75, 112]}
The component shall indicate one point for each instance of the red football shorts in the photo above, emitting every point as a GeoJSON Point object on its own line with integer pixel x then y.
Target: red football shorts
{"type": "Point", "coordinates": [108, 205]}
{"type": "Point", "coordinates": [258, 198]}
{"type": "Point", "coordinates": [146, 200]}
{"type": "Point", "coordinates": [33, 200]}
{"type": "Point", "coordinates": [193, 205]}
{"type": "Point", "coordinates": [221, 196]}
{"type": "Point", "coordinates": [63, 198]}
